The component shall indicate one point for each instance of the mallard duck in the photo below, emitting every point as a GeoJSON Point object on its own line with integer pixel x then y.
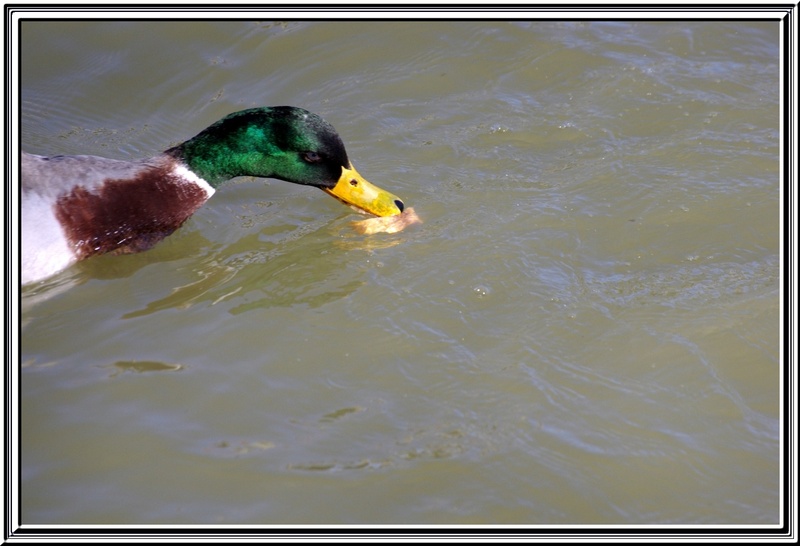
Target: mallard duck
{"type": "Point", "coordinates": [75, 207]}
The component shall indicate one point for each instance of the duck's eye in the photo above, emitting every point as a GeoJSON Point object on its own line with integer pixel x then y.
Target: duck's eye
{"type": "Point", "coordinates": [312, 157]}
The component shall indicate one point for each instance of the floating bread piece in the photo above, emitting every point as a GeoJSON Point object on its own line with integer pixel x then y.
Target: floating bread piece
{"type": "Point", "coordinates": [387, 224]}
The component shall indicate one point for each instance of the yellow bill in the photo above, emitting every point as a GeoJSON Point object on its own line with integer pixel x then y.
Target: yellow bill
{"type": "Point", "coordinates": [352, 189]}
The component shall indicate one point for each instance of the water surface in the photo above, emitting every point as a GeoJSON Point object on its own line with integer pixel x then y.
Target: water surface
{"type": "Point", "coordinates": [585, 329]}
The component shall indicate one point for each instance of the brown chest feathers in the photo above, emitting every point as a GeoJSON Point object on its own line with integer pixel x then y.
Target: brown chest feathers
{"type": "Point", "coordinates": [127, 216]}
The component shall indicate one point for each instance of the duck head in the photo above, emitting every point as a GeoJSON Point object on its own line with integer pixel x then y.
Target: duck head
{"type": "Point", "coordinates": [287, 143]}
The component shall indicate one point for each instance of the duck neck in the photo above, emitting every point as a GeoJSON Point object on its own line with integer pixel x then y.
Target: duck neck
{"type": "Point", "coordinates": [217, 157]}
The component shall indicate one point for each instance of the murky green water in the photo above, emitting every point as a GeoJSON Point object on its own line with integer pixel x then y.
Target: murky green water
{"type": "Point", "coordinates": [584, 330]}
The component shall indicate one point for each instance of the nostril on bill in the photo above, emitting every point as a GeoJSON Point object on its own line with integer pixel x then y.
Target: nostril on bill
{"type": "Point", "coordinates": [399, 204]}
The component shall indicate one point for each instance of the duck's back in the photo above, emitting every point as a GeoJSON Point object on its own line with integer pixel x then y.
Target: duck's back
{"type": "Point", "coordinates": [59, 174]}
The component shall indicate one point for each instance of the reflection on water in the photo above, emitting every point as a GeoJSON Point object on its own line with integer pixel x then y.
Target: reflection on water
{"type": "Point", "coordinates": [584, 330]}
{"type": "Point", "coordinates": [143, 367]}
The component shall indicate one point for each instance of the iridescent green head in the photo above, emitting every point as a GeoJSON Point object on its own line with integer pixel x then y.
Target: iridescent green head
{"type": "Point", "coordinates": [286, 143]}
